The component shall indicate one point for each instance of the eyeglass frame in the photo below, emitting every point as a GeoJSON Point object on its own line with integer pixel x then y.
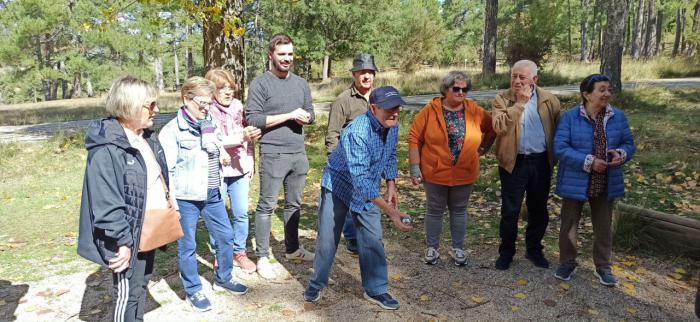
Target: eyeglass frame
{"type": "Point", "coordinates": [198, 101]}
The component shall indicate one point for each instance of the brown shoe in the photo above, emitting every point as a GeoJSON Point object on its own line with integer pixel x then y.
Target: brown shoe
{"type": "Point", "coordinates": [241, 260]}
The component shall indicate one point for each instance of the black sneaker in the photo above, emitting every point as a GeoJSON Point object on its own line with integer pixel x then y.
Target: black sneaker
{"type": "Point", "coordinates": [564, 272]}
{"type": "Point", "coordinates": [385, 301]}
{"type": "Point", "coordinates": [503, 262]}
{"type": "Point", "coordinates": [538, 260]}
{"type": "Point", "coordinates": [606, 278]}
{"type": "Point", "coordinates": [311, 294]}
{"type": "Point", "coordinates": [351, 246]}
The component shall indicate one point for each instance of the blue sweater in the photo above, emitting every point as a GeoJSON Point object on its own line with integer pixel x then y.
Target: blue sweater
{"type": "Point", "coordinates": [573, 141]}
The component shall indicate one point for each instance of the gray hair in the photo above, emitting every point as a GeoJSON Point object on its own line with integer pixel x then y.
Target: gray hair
{"type": "Point", "coordinates": [450, 80]}
{"type": "Point", "coordinates": [529, 64]}
{"type": "Point", "coordinates": [126, 97]}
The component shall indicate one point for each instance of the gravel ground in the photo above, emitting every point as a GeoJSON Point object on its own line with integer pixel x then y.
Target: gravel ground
{"type": "Point", "coordinates": [650, 290]}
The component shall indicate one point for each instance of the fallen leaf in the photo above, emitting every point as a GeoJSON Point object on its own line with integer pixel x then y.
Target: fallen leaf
{"type": "Point", "coordinates": [630, 310]}
{"type": "Point", "coordinates": [95, 311]}
{"type": "Point", "coordinates": [521, 296]}
{"type": "Point", "coordinates": [679, 271]}
{"type": "Point", "coordinates": [61, 292]}
{"type": "Point", "coordinates": [395, 278]}
{"type": "Point", "coordinates": [550, 303]}
{"type": "Point", "coordinates": [628, 263]}
{"type": "Point", "coordinates": [477, 299]}
{"type": "Point", "coordinates": [44, 311]}
{"type": "Point", "coordinates": [2, 302]}
{"type": "Point", "coordinates": [514, 309]}
{"type": "Point", "coordinates": [676, 188]}
{"type": "Point", "coordinates": [633, 278]}
{"type": "Point", "coordinates": [593, 312]}
{"type": "Point", "coordinates": [628, 286]}
{"type": "Point", "coordinates": [46, 293]}
{"type": "Point", "coordinates": [288, 313]}
{"type": "Point", "coordinates": [424, 297]}
{"type": "Point", "coordinates": [676, 276]}
{"type": "Point", "coordinates": [521, 282]}
{"type": "Point", "coordinates": [310, 306]}
{"type": "Point", "coordinates": [565, 286]}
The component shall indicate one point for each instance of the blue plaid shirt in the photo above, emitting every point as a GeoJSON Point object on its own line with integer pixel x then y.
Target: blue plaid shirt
{"type": "Point", "coordinates": [363, 157]}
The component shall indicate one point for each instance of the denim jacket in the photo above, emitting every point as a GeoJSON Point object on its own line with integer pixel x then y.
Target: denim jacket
{"type": "Point", "coordinates": [187, 161]}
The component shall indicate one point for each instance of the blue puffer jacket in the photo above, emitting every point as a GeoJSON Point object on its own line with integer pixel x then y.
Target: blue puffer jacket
{"type": "Point", "coordinates": [573, 141]}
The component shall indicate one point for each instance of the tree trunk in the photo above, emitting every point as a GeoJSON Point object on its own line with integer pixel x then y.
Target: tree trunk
{"type": "Point", "coordinates": [158, 73]}
{"type": "Point", "coordinates": [65, 92]}
{"type": "Point", "coordinates": [568, 29]}
{"type": "Point", "coordinates": [326, 68]}
{"type": "Point", "coordinates": [611, 58]}
{"type": "Point", "coordinates": [189, 64]}
{"type": "Point", "coordinates": [54, 89]}
{"type": "Point", "coordinates": [638, 26]}
{"type": "Point", "coordinates": [490, 33]}
{"type": "Point", "coordinates": [628, 27]}
{"type": "Point", "coordinates": [650, 38]}
{"type": "Point", "coordinates": [659, 32]}
{"type": "Point", "coordinates": [696, 28]}
{"type": "Point", "coordinates": [224, 48]}
{"type": "Point", "coordinates": [679, 32]}
{"type": "Point", "coordinates": [584, 31]}
{"type": "Point", "coordinates": [76, 92]}
{"type": "Point", "coordinates": [176, 65]}
{"type": "Point", "coordinates": [46, 88]}
{"type": "Point", "coordinates": [88, 85]}
{"type": "Point", "coordinates": [594, 34]}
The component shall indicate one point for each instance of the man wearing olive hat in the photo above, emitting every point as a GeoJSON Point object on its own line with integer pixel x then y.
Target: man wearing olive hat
{"type": "Point", "coordinates": [350, 104]}
{"type": "Point", "coordinates": [351, 182]}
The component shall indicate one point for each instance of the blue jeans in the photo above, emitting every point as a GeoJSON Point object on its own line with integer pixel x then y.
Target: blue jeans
{"type": "Point", "coordinates": [349, 228]}
{"type": "Point", "coordinates": [213, 212]}
{"type": "Point", "coordinates": [238, 188]}
{"type": "Point", "coordinates": [373, 266]}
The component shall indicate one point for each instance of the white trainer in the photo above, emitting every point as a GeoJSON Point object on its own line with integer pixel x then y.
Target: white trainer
{"type": "Point", "coordinates": [301, 254]}
{"type": "Point", "coordinates": [264, 268]}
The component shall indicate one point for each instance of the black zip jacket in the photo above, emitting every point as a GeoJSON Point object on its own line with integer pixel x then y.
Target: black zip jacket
{"type": "Point", "coordinates": [114, 191]}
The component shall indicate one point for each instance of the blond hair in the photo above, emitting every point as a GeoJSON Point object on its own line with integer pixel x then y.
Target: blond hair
{"type": "Point", "coordinates": [220, 77]}
{"type": "Point", "coordinates": [126, 97]}
{"type": "Point", "coordinates": [197, 86]}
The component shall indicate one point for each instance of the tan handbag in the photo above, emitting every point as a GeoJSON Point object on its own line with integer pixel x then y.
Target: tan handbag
{"type": "Point", "coordinates": [160, 226]}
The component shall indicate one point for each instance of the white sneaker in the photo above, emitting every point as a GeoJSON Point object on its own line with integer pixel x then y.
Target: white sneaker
{"type": "Point", "coordinates": [301, 254]}
{"type": "Point", "coordinates": [264, 268]}
{"type": "Point", "coordinates": [431, 256]}
{"type": "Point", "coordinates": [458, 256]}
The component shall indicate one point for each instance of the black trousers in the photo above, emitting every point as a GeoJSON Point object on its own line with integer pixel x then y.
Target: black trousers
{"type": "Point", "coordinates": [531, 176]}
{"type": "Point", "coordinates": [129, 288]}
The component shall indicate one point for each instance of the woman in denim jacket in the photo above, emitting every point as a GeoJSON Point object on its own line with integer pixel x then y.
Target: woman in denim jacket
{"type": "Point", "coordinates": [195, 155]}
{"type": "Point", "coordinates": [238, 141]}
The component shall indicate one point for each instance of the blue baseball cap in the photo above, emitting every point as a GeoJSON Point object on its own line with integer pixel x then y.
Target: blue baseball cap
{"type": "Point", "coordinates": [386, 97]}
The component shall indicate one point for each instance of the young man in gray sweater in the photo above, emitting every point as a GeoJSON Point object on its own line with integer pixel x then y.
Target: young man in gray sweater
{"type": "Point", "coordinates": [279, 103]}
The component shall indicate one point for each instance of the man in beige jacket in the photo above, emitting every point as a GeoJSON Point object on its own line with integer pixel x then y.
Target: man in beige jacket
{"type": "Point", "coordinates": [524, 118]}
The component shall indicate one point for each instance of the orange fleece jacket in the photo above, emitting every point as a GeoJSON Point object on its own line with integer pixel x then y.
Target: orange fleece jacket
{"type": "Point", "coordinates": [428, 134]}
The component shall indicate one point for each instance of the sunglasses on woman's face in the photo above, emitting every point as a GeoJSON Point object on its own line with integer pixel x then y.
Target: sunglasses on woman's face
{"type": "Point", "coordinates": [151, 106]}
{"type": "Point", "coordinates": [458, 89]}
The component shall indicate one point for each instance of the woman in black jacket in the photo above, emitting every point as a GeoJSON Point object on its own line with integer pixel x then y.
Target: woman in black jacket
{"type": "Point", "coordinates": [124, 177]}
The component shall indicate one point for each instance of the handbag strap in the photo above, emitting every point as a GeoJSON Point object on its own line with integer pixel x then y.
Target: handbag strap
{"type": "Point", "coordinates": [160, 178]}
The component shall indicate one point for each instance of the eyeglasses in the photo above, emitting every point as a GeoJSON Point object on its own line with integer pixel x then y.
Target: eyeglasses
{"type": "Point", "coordinates": [458, 89]}
{"type": "Point", "coordinates": [596, 78]}
{"type": "Point", "coordinates": [201, 102]}
{"type": "Point", "coordinates": [151, 106]}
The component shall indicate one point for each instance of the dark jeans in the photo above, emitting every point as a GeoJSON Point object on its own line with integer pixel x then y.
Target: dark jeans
{"type": "Point", "coordinates": [531, 175]}
{"type": "Point", "coordinates": [129, 292]}
{"type": "Point", "coordinates": [373, 265]}
{"type": "Point", "coordinates": [278, 170]}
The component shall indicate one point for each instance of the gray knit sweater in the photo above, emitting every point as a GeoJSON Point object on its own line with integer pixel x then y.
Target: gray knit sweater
{"type": "Point", "coordinates": [270, 95]}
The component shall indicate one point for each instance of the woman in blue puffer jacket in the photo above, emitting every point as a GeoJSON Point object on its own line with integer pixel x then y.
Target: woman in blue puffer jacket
{"type": "Point", "coordinates": [592, 142]}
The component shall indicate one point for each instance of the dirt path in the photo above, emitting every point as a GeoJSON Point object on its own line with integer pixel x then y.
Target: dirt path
{"type": "Point", "coordinates": [649, 291]}
{"type": "Point", "coordinates": [40, 132]}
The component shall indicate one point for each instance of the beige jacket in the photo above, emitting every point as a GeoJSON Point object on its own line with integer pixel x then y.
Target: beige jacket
{"type": "Point", "coordinates": [506, 122]}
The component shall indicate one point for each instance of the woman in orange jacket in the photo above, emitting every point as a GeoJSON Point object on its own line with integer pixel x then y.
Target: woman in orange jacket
{"type": "Point", "coordinates": [445, 141]}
